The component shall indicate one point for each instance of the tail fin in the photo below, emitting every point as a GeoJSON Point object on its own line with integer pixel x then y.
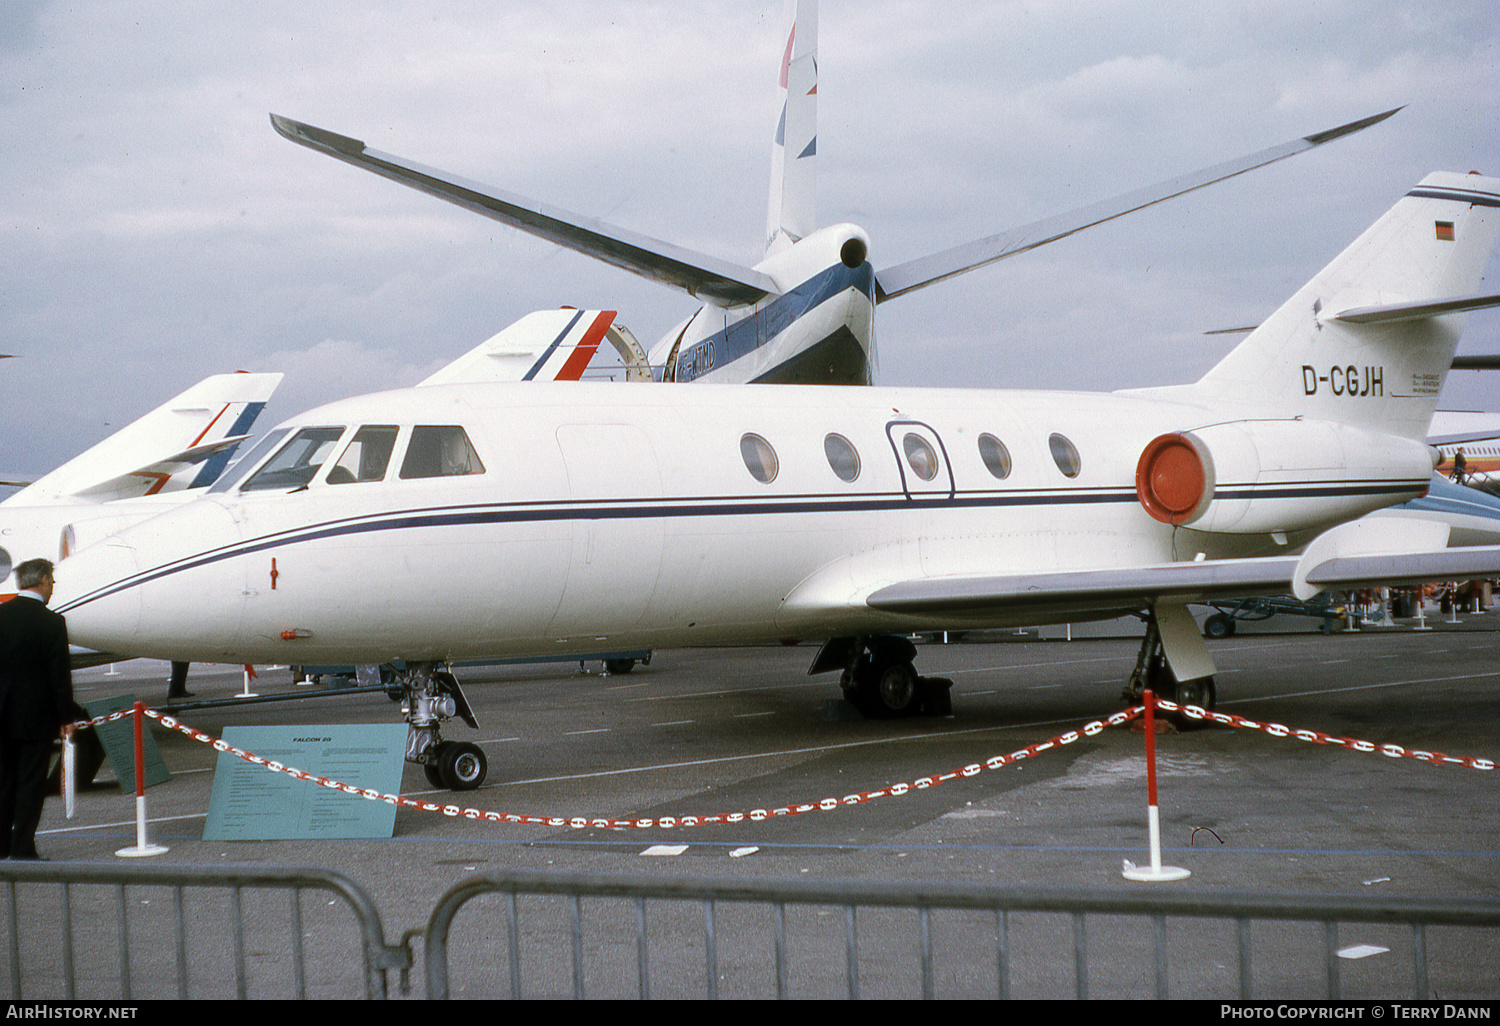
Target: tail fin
{"type": "Point", "coordinates": [792, 213]}
{"type": "Point", "coordinates": [1370, 339]}
{"type": "Point", "coordinates": [184, 443]}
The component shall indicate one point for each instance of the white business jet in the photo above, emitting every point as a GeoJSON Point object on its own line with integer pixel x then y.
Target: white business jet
{"type": "Point", "coordinates": [151, 464]}
{"type": "Point", "coordinates": [806, 313]}
{"type": "Point", "coordinates": [451, 522]}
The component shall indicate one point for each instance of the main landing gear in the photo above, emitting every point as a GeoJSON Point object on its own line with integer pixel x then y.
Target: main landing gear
{"type": "Point", "coordinates": [429, 696]}
{"type": "Point", "coordinates": [1153, 670]}
{"type": "Point", "coordinates": [878, 677]}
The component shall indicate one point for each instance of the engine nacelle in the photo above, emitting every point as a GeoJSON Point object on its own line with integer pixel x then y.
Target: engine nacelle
{"type": "Point", "coordinates": [1265, 476]}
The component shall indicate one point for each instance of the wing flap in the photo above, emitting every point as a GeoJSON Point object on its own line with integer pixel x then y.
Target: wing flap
{"type": "Point", "coordinates": [697, 273]}
{"type": "Point", "coordinates": [1139, 587]}
{"type": "Point", "coordinates": [1087, 590]}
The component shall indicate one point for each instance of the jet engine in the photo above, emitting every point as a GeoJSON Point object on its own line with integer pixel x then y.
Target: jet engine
{"type": "Point", "coordinates": [1265, 476]}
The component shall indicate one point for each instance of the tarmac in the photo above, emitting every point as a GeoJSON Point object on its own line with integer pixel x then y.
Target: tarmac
{"type": "Point", "coordinates": [705, 731]}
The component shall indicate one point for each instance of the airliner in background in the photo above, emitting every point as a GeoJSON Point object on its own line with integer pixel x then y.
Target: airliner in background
{"type": "Point", "coordinates": [806, 313]}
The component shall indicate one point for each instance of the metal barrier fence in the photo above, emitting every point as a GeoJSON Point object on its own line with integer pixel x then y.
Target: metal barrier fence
{"type": "Point", "coordinates": [1005, 941]}
{"type": "Point", "coordinates": [178, 929]}
{"type": "Point", "coordinates": [78, 931]}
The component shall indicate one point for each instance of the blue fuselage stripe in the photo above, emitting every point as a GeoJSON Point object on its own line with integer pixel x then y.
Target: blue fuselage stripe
{"type": "Point", "coordinates": [754, 330]}
{"type": "Point", "coordinates": [703, 506]}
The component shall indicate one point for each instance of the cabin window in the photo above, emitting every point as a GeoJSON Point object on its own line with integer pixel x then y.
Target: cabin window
{"type": "Point", "coordinates": [1065, 455]}
{"type": "Point", "coordinates": [440, 452]}
{"type": "Point", "coordinates": [920, 456]}
{"type": "Point", "coordinates": [295, 463]}
{"type": "Point", "coordinates": [842, 457]}
{"type": "Point", "coordinates": [995, 455]}
{"type": "Point", "coordinates": [366, 457]}
{"type": "Point", "coordinates": [759, 457]}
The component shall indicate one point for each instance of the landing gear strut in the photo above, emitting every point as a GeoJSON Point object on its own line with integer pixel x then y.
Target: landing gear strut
{"type": "Point", "coordinates": [879, 680]}
{"type": "Point", "coordinates": [430, 696]}
{"type": "Point", "coordinates": [1154, 671]}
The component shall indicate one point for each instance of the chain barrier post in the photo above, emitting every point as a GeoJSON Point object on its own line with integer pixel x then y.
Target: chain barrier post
{"type": "Point", "coordinates": [142, 846]}
{"type": "Point", "coordinates": [1156, 871]}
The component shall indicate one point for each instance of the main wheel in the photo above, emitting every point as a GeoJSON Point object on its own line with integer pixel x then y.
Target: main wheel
{"type": "Point", "coordinates": [615, 667]}
{"type": "Point", "coordinates": [462, 765]}
{"type": "Point", "coordinates": [896, 689]}
{"type": "Point", "coordinates": [1199, 692]}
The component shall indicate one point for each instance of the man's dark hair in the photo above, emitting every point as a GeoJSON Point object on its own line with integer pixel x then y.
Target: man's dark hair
{"type": "Point", "coordinates": [31, 573]}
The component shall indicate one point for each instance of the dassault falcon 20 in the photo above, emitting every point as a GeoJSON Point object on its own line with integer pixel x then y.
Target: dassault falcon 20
{"type": "Point", "coordinates": [471, 520]}
{"type": "Point", "coordinates": [806, 313]}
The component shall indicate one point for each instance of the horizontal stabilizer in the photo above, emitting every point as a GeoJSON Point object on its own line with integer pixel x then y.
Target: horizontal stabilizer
{"type": "Point", "coordinates": [701, 275]}
{"type": "Point", "coordinates": [208, 420]}
{"type": "Point", "coordinates": [161, 469]}
{"type": "Point", "coordinates": [1415, 311]}
{"type": "Point", "coordinates": [916, 274]}
{"type": "Point", "coordinates": [1482, 361]}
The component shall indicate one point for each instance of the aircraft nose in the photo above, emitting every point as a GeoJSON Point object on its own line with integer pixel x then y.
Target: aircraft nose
{"type": "Point", "coordinates": [144, 590]}
{"type": "Point", "coordinates": [103, 613]}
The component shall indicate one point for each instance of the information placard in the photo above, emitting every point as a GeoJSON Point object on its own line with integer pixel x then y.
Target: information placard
{"type": "Point", "coordinates": [252, 803]}
{"type": "Point", "coordinates": [118, 739]}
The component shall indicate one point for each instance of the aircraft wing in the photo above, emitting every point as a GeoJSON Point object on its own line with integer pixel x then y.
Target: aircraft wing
{"type": "Point", "coordinates": [1136, 587]}
{"type": "Point", "coordinates": [916, 274]}
{"type": "Point", "coordinates": [696, 273]}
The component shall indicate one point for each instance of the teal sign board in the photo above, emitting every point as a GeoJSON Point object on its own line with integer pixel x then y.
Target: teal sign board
{"type": "Point", "coordinates": [118, 738]}
{"type": "Point", "coordinates": [252, 803]}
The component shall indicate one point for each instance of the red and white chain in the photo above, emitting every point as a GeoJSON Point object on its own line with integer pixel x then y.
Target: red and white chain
{"type": "Point", "coordinates": [581, 822]}
{"type": "Point", "coordinates": [1317, 737]}
{"type": "Point", "coordinates": [823, 805]}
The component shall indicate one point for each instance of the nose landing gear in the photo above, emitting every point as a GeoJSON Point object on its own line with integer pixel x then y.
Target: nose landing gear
{"type": "Point", "coordinates": [430, 696]}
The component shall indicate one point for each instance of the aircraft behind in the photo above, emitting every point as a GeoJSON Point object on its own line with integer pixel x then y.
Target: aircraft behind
{"type": "Point", "coordinates": [805, 314]}
{"type": "Point", "coordinates": [473, 520]}
{"type": "Point", "coordinates": [152, 463]}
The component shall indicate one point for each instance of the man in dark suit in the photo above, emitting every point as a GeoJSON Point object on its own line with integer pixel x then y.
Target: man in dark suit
{"type": "Point", "coordinates": [36, 700]}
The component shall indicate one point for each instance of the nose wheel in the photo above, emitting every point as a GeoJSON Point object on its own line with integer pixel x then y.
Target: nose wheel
{"type": "Point", "coordinates": [456, 765]}
{"type": "Point", "coordinates": [431, 696]}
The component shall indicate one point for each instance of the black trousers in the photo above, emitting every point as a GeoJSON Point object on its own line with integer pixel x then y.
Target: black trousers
{"type": "Point", "coordinates": [23, 788]}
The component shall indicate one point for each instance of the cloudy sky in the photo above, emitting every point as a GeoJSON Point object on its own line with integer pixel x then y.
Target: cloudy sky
{"type": "Point", "coordinates": [154, 229]}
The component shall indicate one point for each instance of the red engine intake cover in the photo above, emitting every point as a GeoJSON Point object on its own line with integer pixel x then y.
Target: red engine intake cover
{"type": "Point", "coordinates": [1170, 479]}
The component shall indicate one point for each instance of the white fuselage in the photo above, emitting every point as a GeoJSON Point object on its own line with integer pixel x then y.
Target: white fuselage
{"type": "Point", "coordinates": [611, 516]}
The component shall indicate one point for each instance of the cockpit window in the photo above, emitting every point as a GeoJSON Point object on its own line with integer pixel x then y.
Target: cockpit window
{"type": "Point", "coordinates": [242, 466]}
{"type": "Point", "coordinates": [440, 452]}
{"type": "Point", "coordinates": [366, 457]}
{"type": "Point", "coordinates": [294, 466]}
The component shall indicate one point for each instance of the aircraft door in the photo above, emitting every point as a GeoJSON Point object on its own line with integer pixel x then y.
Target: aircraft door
{"type": "Point", "coordinates": [921, 460]}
